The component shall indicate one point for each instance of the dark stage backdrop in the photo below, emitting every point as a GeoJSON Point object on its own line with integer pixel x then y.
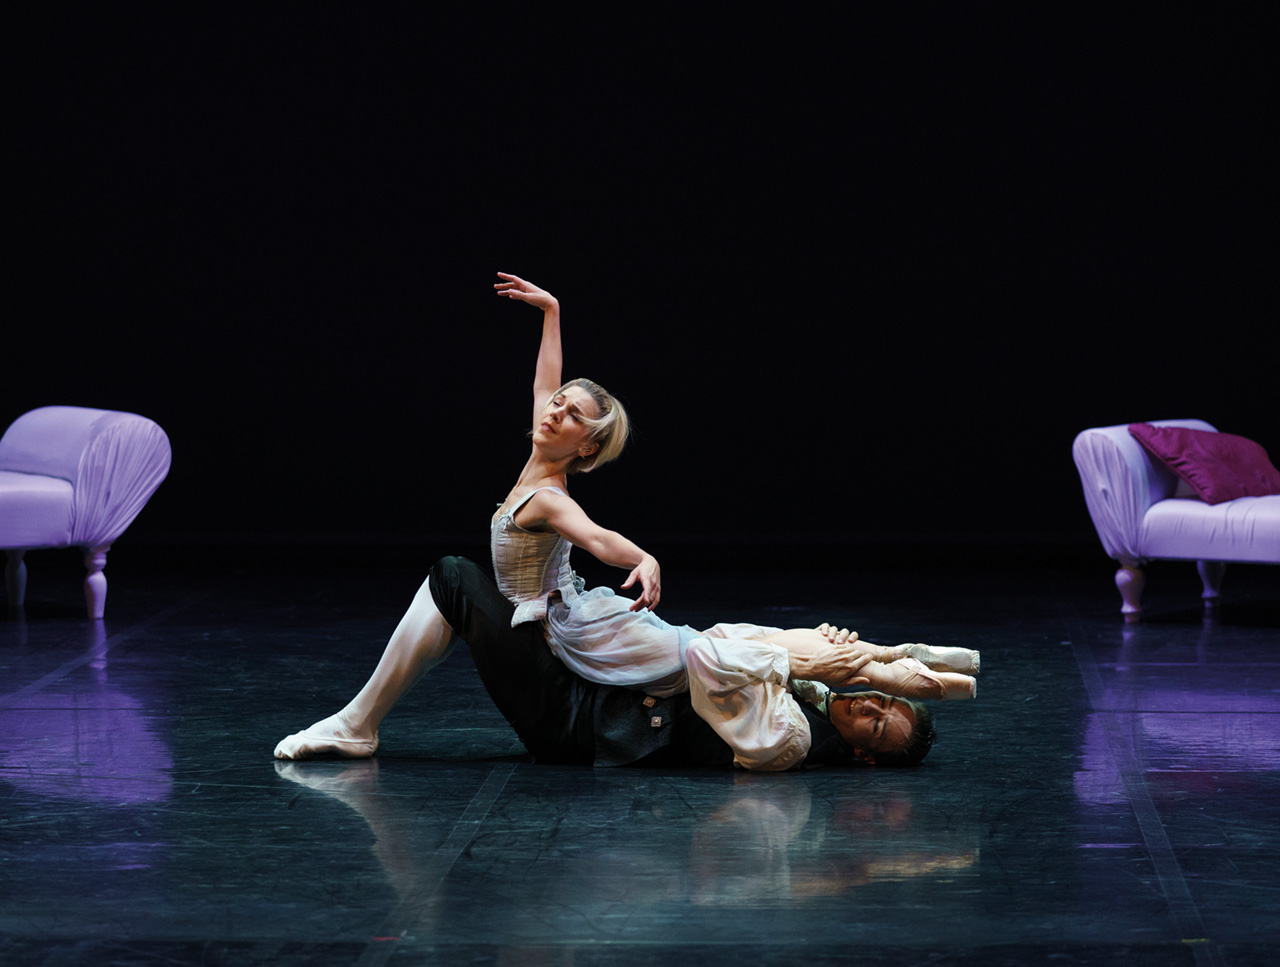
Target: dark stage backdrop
{"type": "Point", "coordinates": [858, 279]}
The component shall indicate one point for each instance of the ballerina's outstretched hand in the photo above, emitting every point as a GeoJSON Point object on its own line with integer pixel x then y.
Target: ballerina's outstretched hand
{"type": "Point", "coordinates": [649, 574]}
{"type": "Point", "coordinates": [517, 288]}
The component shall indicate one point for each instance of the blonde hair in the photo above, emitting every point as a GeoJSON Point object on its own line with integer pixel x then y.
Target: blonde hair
{"type": "Point", "coordinates": [608, 431]}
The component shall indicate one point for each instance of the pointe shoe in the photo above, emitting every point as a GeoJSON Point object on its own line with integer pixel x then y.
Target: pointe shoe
{"type": "Point", "coordinates": [329, 736]}
{"type": "Point", "coordinates": [962, 660]}
{"type": "Point", "coordinates": [958, 686]}
{"type": "Point", "coordinates": [909, 678]}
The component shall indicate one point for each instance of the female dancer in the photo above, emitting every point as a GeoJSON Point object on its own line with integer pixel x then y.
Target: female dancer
{"type": "Point", "coordinates": [603, 637]}
{"type": "Point", "coordinates": [578, 427]}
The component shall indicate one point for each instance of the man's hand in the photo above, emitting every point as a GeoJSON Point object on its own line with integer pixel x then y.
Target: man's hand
{"type": "Point", "coordinates": [837, 636]}
{"type": "Point", "coordinates": [834, 665]}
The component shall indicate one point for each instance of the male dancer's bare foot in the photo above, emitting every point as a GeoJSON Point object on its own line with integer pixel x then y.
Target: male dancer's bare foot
{"type": "Point", "coordinates": [939, 658]}
{"type": "Point", "coordinates": [331, 736]}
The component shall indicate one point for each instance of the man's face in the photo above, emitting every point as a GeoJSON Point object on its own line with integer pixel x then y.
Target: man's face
{"type": "Point", "coordinates": [872, 722]}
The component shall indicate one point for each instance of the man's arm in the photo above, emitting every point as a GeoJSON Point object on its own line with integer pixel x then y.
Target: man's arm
{"type": "Point", "coordinates": [740, 688]}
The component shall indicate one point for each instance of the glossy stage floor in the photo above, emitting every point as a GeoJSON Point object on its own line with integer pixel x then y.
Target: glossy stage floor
{"type": "Point", "coordinates": [1112, 797]}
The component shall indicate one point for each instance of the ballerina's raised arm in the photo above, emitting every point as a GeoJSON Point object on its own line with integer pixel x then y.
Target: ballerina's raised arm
{"type": "Point", "coordinates": [577, 427]}
{"type": "Point", "coordinates": [547, 375]}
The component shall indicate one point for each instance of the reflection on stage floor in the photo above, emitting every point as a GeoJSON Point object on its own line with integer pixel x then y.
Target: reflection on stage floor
{"type": "Point", "coordinates": [1111, 797]}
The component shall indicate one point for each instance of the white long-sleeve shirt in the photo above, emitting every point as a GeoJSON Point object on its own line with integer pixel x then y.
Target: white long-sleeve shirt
{"type": "Point", "coordinates": [741, 688]}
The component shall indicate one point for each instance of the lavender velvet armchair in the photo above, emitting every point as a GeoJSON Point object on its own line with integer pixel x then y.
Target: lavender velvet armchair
{"type": "Point", "coordinates": [75, 477]}
{"type": "Point", "coordinates": [1143, 512]}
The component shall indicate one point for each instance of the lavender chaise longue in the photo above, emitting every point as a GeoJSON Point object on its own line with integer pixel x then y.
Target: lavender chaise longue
{"type": "Point", "coordinates": [1143, 511]}
{"type": "Point", "coordinates": [75, 477]}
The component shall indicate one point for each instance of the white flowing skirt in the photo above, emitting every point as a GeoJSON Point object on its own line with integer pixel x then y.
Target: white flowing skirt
{"type": "Point", "coordinates": [602, 640]}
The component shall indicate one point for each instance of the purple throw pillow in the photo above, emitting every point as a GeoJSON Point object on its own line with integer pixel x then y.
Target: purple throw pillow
{"type": "Point", "coordinates": [1217, 466]}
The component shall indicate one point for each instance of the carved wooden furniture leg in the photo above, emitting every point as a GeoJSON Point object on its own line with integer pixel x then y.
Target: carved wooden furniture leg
{"type": "Point", "coordinates": [15, 578]}
{"type": "Point", "coordinates": [1130, 581]}
{"type": "Point", "coordinates": [1211, 576]}
{"type": "Point", "coordinates": [95, 582]}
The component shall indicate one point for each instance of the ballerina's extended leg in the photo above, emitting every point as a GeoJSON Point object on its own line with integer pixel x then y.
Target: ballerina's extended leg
{"type": "Point", "coordinates": [421, 641]}
{"type": "Point", "coordinates": [942, 659]}
{"type": "Point", "coordinates": [890, 671]}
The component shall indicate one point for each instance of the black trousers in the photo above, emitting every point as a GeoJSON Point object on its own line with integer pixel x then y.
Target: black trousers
{"type": "Point", "coordinates": [559, 716]}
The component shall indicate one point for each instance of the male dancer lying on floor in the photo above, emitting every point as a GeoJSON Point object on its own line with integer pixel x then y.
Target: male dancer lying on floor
{"type": "Point", "coordinates": [765, 710]}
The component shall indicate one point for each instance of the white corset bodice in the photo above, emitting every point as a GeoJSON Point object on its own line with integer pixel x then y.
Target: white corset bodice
{"type": "Point", "coordinates": [529, 565]}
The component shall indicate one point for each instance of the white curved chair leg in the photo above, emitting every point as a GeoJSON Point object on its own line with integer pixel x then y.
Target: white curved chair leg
{"type": "Point", "coordinates": [1211, 576]}
{"type": "Point", "coordinates": [15, 578]}
{"type": "Point", "coordinates": [1131, 581]}
{"type": "Point", "coordinates": [95, 582]}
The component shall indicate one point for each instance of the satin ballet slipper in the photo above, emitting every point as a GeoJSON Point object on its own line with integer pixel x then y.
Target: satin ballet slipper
{"type": "Point", "coordinates": [906, 678]}
{"type": "Point", "coordinates": [909, 678]}
{"type": "Point", "coordinates": [940, 659]}
{"type": "Point", "coordinates": [331, 736]}
{"type": "Point", "coordinates": [958, 686]}
{"type": "Point", "coordinates": [421, 641]}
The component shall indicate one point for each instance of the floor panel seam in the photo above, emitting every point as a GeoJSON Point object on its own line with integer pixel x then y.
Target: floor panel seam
{"type": "Point", "coordinates": [1173, 884]}
{"type": "Point", "coordinates": [438, 867]}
